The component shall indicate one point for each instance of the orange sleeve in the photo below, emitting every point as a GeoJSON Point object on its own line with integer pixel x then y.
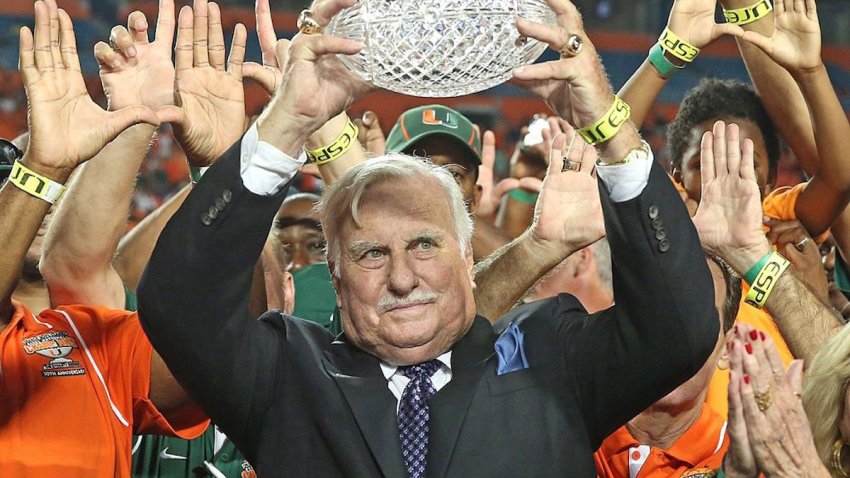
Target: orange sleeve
{"type": "Point", "coordinates": [120, 346]}
{"type": "Point", "coordinates": [781, 205]}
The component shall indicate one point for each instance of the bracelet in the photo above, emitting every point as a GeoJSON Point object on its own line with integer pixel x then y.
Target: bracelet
{"type": "Point", "coordinates": [747, 15]}
{"type": "Point", "coordinates": [677, 47]}
{"type": "Point", "coordinates": [337, 149]}
{"type": "Point", "coordinates": [665, 67]}
{"type": "Point", "coordinates": [609, 125]}
{"type": "Point", "coordinates": [753, 273]}
{"type": "Point", "coordinates": [523, 196]}
{"type": "Point", "coordinates": [766, 280]}
{"type": "Point", "coordinates": [35, 184]}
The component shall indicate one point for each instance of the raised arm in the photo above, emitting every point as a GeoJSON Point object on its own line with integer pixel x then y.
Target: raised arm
{"type": "Point", "coordinates": [78, 252]}
{"type": "Point", "coordinates": [691, 20]}
{"type": "Point", "coordinates": [193, 299]}
{"type": "Point", "coordinates": [58, 103]}
{"type": "Point", "coordinates": [662, 286]}
{"type": "Point", "coordinates": [796, 46]}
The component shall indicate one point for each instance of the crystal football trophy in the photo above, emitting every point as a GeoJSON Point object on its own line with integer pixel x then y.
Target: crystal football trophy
{"type": "Point", "coordinates": [439, 48]}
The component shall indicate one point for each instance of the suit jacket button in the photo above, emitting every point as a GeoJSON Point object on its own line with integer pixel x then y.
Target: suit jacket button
{"type": "Point", "coordinates": [657, 224]}
{"type": "Point", "coordinates": [219, 204]}
{"type": "Point", "coordinates": [206, 220]}
{"type": "Point", "coordinates": [661, 234]}
{"type": "Point", "coordinates": [227, 195]}
{"type": "Point", "coordinates": [213, 212]}
{"type": "Point", "coordinates": [653, 211]}
{"type": "Point", "coordinates": [664, 245]}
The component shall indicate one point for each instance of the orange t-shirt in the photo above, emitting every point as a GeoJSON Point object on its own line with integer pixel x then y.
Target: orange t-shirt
{"type": "Point", "coordinates": [74, 386]}
{"type": "Point", "coordinates": [695, 454]}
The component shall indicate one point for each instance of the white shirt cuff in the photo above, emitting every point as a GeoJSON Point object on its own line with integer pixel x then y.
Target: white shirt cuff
{"type": "Point", "coordinates": [265, 170]}
{"type": "Point", "coordinates": [626, 181]}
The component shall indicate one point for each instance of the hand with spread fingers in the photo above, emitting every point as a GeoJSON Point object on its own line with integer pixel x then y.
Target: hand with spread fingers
{"type": "Point", "coordinates": [316, 86]}
{"type": "Point", "coordinates": [135, 71]}
{"type": "Point", "coordinates": [796, 41]}
{"type": "Point", "coordinates": [268, 75]}
{"type": "Point", "coordinates": [59, 102]}
{"type": "Point", "coordinates": [728, 218]}
{"type": "Point", "coordinates": [568, 212]}
{"type": "Point", "coordinates": [209, 115]}
{"type": "Point", "coordinates": [766, 399]}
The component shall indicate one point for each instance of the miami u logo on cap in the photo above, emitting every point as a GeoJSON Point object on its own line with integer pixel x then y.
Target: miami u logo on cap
{"type": "Point", "coordinates": [429, 117]}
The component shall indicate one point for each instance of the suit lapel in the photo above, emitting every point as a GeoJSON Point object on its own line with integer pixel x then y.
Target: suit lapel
{"type": "Point", "coordinates": [449, 407]}
{"type": "Point", "coordinates": [358, 375]}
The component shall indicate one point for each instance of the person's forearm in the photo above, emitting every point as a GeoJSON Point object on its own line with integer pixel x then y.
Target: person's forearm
{"type": "Point", "coordinates": [804, 321]}
{"type": "Point", "coordinates": [21, 218]}
{"type": "Point", "coordinates": [327, 134]}
{"type": "Point", "coordinates": [779, 92]}
{"type": "Point", "coordinates": [90, 220]}
{"type": "Point", "coordinates": [504, 277]}
{"type": "Point", "coordinates": [641, 91]}
{"type": "Point", "coordinates": [136, 246]}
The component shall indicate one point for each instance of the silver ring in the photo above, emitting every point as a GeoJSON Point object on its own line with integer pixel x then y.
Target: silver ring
{"type": "Point", "coordinates": [802, 244]}
{"type": "Point", "coordinates": [571, 166]}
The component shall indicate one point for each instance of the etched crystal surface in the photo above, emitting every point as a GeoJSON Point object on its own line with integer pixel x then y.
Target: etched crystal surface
{"type": "Point", "coordinates": [439, 48]}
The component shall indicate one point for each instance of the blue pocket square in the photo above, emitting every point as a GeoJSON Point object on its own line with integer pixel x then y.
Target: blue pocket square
{"type": "Point", "coordinates": [510, 349]}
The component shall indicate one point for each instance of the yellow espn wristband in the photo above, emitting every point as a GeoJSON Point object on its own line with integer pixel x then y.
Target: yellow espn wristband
{"type": "Point", "coordinates": [766, 280]}
{"type": "Point", "coordinates": [677, 47]}
{"type": "Point", "coordinates": [609, 125]}
{"type": "Point", "coordinates": [337, 149]}
{"type": "Point", "coordinates": [35, 184]}
{"type": "Point", "coordinates": [747, 15]}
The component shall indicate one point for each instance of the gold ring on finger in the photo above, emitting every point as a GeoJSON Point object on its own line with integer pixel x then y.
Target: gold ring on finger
{"type": "Point", "coordinates": [763, 400]}
{"type": "Point", "coordinates": [307, 23]}
{"type": "Point", "coordinates": [570, 165]}
{"type": "Point", "coordinates": [572, 47]}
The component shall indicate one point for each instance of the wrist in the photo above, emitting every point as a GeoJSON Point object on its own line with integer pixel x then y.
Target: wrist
{"type": "Point", "coordinates": [328, 132]}
{"type": "Point", "coordinates": [742, 259]}
{"type": "Point", "coordinates": [57, 174]}
{"type": "Point", "coordinates": [287, 133]}
{"type": "Point", "coordinates": [806, 74]}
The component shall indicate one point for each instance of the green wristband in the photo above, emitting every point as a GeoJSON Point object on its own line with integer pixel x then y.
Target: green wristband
{"type": "Point", "coordinates": [665, 67]}
{"type": "Point", "coordinates": [523, 196]}
{"type": "Point", "coordinates": [753, 273]}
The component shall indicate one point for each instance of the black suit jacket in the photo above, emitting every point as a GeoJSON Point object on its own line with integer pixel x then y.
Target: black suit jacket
{"type": "Point", "coordinates": [299, 403]}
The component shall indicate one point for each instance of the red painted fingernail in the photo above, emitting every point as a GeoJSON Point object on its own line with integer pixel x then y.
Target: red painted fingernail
{"type": "Point", "coordinates": [754, 334]}
{"type": "Point", "coordinates": [761, 334]}
{"type": "Point", "coordinates": [749, 348]}
{"type": "Point", "coordinates": [747, 379]}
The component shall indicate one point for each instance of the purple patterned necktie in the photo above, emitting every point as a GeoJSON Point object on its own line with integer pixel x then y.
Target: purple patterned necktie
{"type": "Point", "coordinates": [413, 416]}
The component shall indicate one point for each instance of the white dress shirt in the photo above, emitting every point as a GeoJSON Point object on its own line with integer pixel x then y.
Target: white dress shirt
{"type": "Point", "coordinates": [396, 380]}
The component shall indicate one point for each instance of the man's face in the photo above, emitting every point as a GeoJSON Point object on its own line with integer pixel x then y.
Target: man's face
{"type": "Point", "coordinates": [693, 391]}
{"type": "Point", "coordinates": [298, 229]}
{"type": "Point", "coordinates": [405, 290]}
{"type": "Point", "coordinates": [454, 157]}
{"type": "Point", "coordinates": [689, 177]}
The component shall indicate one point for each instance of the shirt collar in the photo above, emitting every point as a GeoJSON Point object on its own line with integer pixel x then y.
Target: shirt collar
{"type": "Point", "coordinates": [390, 370]}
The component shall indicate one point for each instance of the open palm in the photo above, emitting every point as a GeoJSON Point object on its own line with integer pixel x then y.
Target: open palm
{"type": "Point", "coordinates": [693, 21]}
{"type": "Point", "coordinates": [58, 100]}
{"type": "Point", "coordinates": [569, 210]}
{"type": "Point", "coordinates": [796, 41]}
{"type": "Point", "coordinates": [209, 116]}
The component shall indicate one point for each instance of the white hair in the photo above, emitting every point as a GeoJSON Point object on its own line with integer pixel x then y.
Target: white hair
{"type": "Point", "coordinates": [341, 201]}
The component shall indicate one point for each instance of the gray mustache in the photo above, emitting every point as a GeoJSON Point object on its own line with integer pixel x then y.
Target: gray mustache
{"type": "Point", "coordinates": [414, 298]}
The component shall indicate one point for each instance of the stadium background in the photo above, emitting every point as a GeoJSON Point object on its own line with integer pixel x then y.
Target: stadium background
{"type": "Point", "coordinates": [623, 31]}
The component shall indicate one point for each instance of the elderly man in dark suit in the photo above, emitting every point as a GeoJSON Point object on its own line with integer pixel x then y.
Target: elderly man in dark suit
{"type": "Point", "coordinates": [418, 384]}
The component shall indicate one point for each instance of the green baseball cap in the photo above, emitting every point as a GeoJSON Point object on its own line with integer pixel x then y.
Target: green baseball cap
{"type": "Point", "coordinates": [418, 123]}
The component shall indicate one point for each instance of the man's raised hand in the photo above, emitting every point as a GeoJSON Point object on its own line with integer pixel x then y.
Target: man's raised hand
{"type": "Point", "coordinates": [135, 71]}
{"type": "Point", "coordinates": [59, 102]}
{"type": "Point", "coordinates": [796, 41]}
{"type": "Point", "coordinates": [209, 115]}
{"type": "Point", "coordinates": [729, 216]}
{"type": "Point", "coordinates": [268, 75]}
